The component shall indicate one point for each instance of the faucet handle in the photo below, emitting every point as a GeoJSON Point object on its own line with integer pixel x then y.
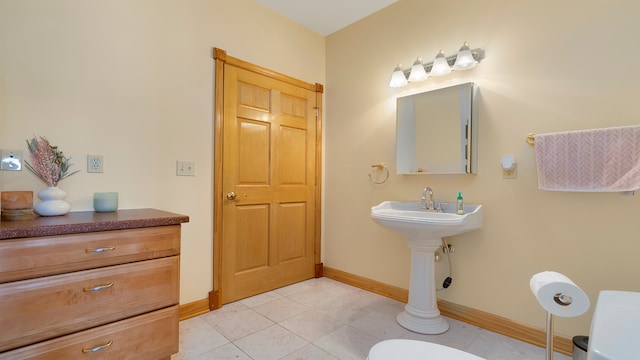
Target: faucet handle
{"type": "Point", "coordinates": [441, 207]}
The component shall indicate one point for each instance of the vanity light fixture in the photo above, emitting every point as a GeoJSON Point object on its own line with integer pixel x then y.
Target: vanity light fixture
{"type": "Point", "coordinates": [465, 59]}
{"type": "Point", "coordinates": [398, 79]}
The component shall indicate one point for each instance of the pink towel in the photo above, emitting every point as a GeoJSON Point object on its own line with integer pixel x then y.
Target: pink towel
{"type": "Point", "coordinates": [598, 160]}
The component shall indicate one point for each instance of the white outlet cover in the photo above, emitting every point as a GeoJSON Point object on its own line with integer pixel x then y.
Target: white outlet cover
{"type": "Point", "coordinates": [11, 160]}
{"type": "Point", "coordinates": [95, 164]}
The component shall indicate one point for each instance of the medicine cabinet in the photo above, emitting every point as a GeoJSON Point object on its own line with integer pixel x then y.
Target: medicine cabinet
{"type": "Point", "coordinates": [436, 132]}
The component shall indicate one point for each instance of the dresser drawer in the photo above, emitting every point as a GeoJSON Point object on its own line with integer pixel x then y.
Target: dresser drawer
{"type": "Point", "coordinates": [43, 308]}
{"type": "Point", "coordinates": [149, 336]}
{"type": "Point", "coordinates": [39, 256]}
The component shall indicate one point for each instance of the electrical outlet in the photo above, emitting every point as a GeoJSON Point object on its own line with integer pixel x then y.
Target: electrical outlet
{"type": "Point", "coordinates": [511, 174]}
{"type": "Point", "coordinates": [95, 164]}
{"type": "Point", "coordinates": [11, 160]}
{"type": "Point", "coordinates": [185, 168]}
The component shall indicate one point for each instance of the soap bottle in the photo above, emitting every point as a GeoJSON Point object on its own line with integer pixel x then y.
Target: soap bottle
{"type": "Point", "coordinates": [460, 208]}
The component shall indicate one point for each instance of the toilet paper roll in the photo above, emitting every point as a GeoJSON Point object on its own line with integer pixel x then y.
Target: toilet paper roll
{"type": "Point", "coordinates": [554, 290]}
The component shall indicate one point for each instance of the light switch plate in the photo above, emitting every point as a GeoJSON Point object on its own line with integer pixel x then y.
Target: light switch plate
{"type": "Point", "coordinates": [185, 168]}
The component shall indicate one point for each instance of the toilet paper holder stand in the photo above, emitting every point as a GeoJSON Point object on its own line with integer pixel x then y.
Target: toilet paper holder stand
{"type": "Point", "coordinates": [562, 300]}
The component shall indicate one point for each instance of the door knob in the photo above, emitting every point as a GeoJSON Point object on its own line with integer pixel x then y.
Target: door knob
{"type": "Point", "coordinates": [233, 196]}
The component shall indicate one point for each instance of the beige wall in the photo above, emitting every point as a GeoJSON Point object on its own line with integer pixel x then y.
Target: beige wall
{"type": "Point", "coordinates": [550, 66]}
{"type": "Point", "coordinates": [133, 81]}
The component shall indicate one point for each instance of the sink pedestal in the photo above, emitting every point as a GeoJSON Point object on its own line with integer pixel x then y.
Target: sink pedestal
{"type": "Point", "coordinates": [421, 313]}
{"type": "Point", "coordinates": [423, 231]}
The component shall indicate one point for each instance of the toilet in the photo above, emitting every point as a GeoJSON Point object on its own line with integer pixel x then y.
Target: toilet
{"type": "Point", "coordinates": [413, 350]}
{"type": "Point", "coordinates": [615, 326]}
{"type": "Point", "coordinates": [615, 333]}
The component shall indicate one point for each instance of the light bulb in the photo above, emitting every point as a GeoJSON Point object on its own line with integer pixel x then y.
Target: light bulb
{"type": "Point", "coordinates": [464, 59]}
{"type": "Point", "coordinates": [417, 71]}
{"type": "Point", "coordinates": [440, 65]}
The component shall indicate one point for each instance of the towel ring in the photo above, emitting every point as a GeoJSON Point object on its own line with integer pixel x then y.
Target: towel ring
{"type": "Point", "coordinates": [380, 167]}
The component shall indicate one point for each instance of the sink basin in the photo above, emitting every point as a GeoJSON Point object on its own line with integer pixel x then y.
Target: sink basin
{"type": "Point", "coordinates": [423, 231]}
{"type": "Point", "coordinates": [408, 218]}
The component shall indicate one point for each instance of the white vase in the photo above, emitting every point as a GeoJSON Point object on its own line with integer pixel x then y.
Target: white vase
{"type": "Point", "coordinates": [52, 203]}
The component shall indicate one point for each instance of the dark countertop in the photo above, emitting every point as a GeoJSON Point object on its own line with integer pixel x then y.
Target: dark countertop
{"type": "Point", "coordinates": [88, 221]}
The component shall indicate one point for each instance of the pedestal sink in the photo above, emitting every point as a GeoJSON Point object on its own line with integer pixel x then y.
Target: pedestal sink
{"type": "Point", "coordinates": [424, 231]}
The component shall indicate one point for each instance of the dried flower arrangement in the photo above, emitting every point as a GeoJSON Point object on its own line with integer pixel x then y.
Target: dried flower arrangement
{"type": "Point", "coordinates": [49, 163]}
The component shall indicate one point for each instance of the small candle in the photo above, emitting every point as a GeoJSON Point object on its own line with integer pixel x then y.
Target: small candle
{"type": "Point", "coordinates": [105, 201]}
{"type": "Point", "coordinates": [16, 200]}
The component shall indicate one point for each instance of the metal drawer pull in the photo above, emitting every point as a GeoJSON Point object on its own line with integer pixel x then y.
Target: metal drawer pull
{"type": "Point", "coordinates": [98, 287]}
{"type": "Point", "coordinates": [97, 348]}
{"type": "Point", "coordinates": [100, 250]}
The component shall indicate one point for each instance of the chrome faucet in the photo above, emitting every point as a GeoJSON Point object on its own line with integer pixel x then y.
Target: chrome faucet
{"type": "Point", "coordinates": [427, 205]}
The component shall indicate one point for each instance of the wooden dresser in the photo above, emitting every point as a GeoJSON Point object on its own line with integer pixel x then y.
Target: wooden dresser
{"type": "Point", "coordinates": [90, 285]}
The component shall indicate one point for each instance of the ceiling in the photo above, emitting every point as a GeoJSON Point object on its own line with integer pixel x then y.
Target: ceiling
{"type": "Point", "coordinates": [326, 16]}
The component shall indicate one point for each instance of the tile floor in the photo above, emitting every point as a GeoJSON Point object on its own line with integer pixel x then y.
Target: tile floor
{"type": "Point", "coordinates": [322, 319]}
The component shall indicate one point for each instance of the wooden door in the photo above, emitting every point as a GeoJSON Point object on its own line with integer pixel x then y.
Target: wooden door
{"type": "Point", "coordinates": [269, 187]}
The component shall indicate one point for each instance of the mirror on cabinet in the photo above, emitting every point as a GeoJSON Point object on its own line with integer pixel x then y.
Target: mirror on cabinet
{"type": "Point", "coordinates": [436, 132]}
